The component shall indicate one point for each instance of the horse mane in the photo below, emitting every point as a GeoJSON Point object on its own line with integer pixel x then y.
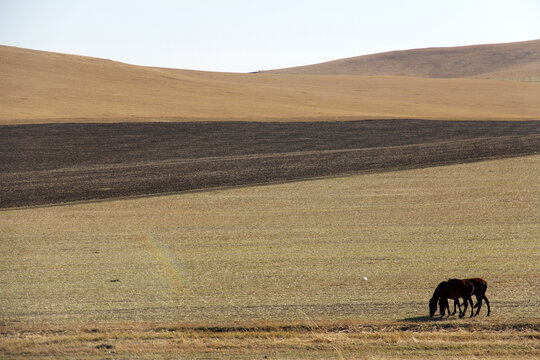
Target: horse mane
{"type": "Point", "coordinates": [435, 296]}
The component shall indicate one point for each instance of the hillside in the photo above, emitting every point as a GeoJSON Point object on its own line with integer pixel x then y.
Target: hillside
{"type": "Point", "coordinates": [512, 61]}
{"type": "Point", "coordinates": [44, 87]}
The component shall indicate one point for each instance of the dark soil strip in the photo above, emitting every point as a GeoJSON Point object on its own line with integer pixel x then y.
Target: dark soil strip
{"type": "Point", "coordinates": [46, 164]}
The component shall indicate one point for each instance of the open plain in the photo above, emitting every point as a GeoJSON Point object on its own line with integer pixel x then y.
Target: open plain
{"type": "Point", "coordinates": [278, 270]}
{"type": "Point", "coordinates": [303, 213]}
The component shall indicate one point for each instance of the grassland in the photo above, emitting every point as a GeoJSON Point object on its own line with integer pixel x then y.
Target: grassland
{"type": "Point", "coordinates": [278, 270]}
{"type": "Point", "coordinates": [42, 87]}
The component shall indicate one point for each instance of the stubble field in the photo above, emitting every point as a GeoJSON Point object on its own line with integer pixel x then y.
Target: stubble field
{"type": "Point", "coordinates": [278, 271]}
{"type": "Point", "coordinates": [54, 163]}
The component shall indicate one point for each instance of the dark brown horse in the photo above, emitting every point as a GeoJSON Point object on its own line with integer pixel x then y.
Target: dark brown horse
{"type": "Point", "coordinates": [480, 287]}
{"type": "Point", "coordinates": [455, 290]}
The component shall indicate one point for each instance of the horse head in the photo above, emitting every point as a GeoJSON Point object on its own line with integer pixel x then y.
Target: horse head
{"type": "Point", "coordinates": [433, 306]}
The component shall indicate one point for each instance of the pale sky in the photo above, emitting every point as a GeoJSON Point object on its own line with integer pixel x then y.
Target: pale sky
{"type": "Point", "coordinates": [243, 36]}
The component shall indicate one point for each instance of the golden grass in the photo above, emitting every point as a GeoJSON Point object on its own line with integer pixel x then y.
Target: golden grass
{"type": "Point", "coordinates": [516, 60]}
{"type": "Point", "coordinates": [42, 87]}
{"type": "Point", "coordinates": [274, 343]}
{"type": "Point", "coordinates": [295, 250]}
{"type": "Point", "coordinates": [279, 254]}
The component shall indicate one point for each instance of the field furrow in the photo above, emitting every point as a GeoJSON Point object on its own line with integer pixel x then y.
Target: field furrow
{"type": "Point", "coordinates": [47, 164]}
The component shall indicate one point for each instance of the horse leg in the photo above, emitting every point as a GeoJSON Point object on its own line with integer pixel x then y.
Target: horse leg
{"type": "Point", "coordinates": [472, 306]}
{"type": "Point", "coordinates": [447, 307]}
{"type": "Point", "coordinates": [456, 304]}
{"type": "Point", "coordinates": [487, 303]}
{"type": "Point", "coordinates": [478, 304]}
{"type": "Point", "coordinates": [462, 314]}
{"type": "Point", "coordinates": [443, 305]}
{"type": "Point", "coordinates": [459, 306]}
{"type": "Point", "coordinates": [478, 299]}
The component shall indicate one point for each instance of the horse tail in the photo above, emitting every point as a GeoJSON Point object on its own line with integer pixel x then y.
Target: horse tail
{"type": "Point", "coordinates": [480, 290]}
{"type": "Point", "coordinates": [483, 286]}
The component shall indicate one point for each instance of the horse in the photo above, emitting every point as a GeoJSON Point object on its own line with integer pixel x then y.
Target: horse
{"type": "Point", "coordinates": [455, 290]}
{"type": "Point", "coordinates": [480, 287]}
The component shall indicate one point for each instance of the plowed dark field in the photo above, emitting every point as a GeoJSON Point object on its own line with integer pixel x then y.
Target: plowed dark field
{"type": "Point", "coordinates": [55, 163]}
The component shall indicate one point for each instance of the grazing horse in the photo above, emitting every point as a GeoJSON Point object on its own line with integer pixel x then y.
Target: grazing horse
{"type": "Point", "coordinates": [480, 287]}
{"type": "Point", "coordinates": [455, 290]}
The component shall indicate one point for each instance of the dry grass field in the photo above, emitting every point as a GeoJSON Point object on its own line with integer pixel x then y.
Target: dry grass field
{"type": "Point", "coordinates": [278, 270]}
{"type": "Point", "coordinates": [43, 87]}
{"type": "Point", "coordinates": [508, 61]}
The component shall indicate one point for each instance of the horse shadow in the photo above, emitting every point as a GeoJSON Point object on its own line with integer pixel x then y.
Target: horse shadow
{"type": "Point", "coordinates": [424, 319]}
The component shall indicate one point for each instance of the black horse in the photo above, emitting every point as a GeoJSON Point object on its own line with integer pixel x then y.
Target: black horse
{"type": "Point", "coordinates": [455, 290]}
{"type": "Point", "coordinates": [480, 288]}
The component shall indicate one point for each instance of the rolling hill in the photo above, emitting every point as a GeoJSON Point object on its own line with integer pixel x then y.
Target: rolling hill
{"type": "Point", "coordinates": [510, 61]}
{"type": "Point", "coordinates": [45, 87]}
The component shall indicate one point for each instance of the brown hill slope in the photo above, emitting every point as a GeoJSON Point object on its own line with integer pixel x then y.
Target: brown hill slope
{"type": "Point", "coordinates": [40, 87]}
{"type": "Point", "coordinates": [514, 61]}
